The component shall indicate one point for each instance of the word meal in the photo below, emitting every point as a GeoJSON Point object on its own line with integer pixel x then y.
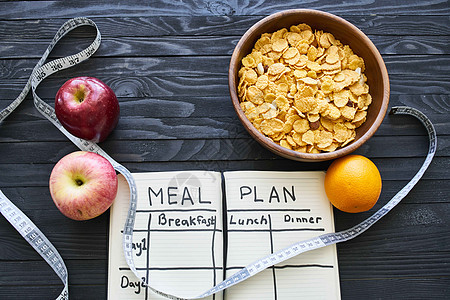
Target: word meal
{"type": "Point", "coordinates": [304, 90]}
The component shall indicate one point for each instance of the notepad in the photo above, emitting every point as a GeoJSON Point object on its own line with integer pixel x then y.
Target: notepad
{"type": "Point", "coordinates": [193, 229]}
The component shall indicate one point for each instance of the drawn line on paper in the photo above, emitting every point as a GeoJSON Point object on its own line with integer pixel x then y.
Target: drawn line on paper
{"type": "Point", "coordinates": [270, 209]}
{"type": "Point", "coordinates": [148, 253]}
{"type": "Point", "coordinates": [174, 210]}
{"type": "Point", "coordinates": [237, 178]}
{"type": "Point", "coordinates": [305, 266]}
{"type": "Point", "coordinates": [176, 230]}
{"type": "Point", "coordinates": [271, 251]}
{"type": "Point", "coordinates": [288, 266]}
{"type": "Point", "coordinates": [170, 268]}
{"type": "Point", "coordinates": [213, 258]}
{"type": "Point", "coordinates": [276, 230]}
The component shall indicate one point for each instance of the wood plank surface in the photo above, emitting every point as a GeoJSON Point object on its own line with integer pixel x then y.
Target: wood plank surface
{"type": "Point", "coordinates": [197, 45]}
{"type": "Point", "coordinates": [214, 25]}
{"type": "Point", "coordinates": [52, 9]}
{"type": "Point", "coordinates": [167, 61]}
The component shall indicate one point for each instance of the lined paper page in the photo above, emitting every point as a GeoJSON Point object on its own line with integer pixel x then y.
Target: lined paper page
{"type": "Point", "coordinates": [268, 211]}
{"type": "Point", "coordinates": [178, 235]}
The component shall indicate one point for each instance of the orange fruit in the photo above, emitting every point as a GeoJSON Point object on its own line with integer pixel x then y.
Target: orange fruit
{"type": "Point", "coordinates": [353, 183]}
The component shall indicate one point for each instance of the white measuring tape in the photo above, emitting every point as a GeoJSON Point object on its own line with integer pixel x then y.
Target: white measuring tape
{"type": "Point", "coordinates": [42, 245]}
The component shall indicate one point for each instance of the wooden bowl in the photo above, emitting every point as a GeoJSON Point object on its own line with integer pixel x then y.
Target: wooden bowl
{"type": "Point", "coordinates": [348, 34]}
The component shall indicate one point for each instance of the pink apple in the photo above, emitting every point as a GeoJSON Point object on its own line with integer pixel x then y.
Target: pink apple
{"type": "Point", "coordinates": [87, 108]}
{"type": "Point", "coordinates": [83, 185]}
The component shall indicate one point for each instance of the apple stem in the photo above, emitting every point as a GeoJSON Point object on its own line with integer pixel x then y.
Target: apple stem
{"type": "Point", "coordinates": [79, 182]}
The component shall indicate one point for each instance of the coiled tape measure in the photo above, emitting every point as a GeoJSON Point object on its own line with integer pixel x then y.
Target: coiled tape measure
{"type": "Point", "coordinates": [44, 247]}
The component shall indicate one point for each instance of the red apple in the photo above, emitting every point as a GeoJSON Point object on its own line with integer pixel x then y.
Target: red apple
{"type": "Point", "coordinates": [87, 108]}
{"type": "Point", "coordinates": [83, 185]}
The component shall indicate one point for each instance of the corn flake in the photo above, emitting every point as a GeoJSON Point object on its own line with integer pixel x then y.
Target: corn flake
{"type": "Point", "coordinates": [308, 137]}
{"type": "Point", "coordinates": [341, 98]}
{"type": "Point", "coordinates": [301, 126]}
{"type": "Point", "coordinates": [279, 45]}
{"type": "Point", "coordinates": [304, 89]}
{"type": "Point", "coordinates": [304, 104]}
{"type": "Point", "coordinates": [255, 95]}
{"type": "Point", "coordinates": [271, 126]}
{"type": "Point", "coordinates": [270, 114]}
{"type": "Point", "coordinates": [282, 103]}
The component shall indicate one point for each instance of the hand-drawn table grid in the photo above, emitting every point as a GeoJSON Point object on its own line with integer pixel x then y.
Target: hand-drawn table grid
{"type": "Point", "coordinates": [265, 234]}
{"type": "Point", "coordinates": [154, 235]}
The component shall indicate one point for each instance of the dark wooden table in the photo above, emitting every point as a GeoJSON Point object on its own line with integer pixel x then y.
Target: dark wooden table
{"type": "Point", "coordinates": [168, 62]}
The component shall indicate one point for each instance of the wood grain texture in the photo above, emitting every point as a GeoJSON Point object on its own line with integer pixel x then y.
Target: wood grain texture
{"type": "Point", "coordinates": [37, 197]}
{"type": "Point", "coordinates": [414, 288]}
{"type": "Point", "coordinates": [93, 271]}
{"type": "Point", "coordinates": [144, 128]}
{"type": "Point", "coordinates": [182, 148]}
{"type": "Point", "coordinates": [168, 62]}
{"type": "Point", "coordinates": [174, 106]}
{"type": "Point", "coordinates": [34, 174]}
{"type": "Point", "coordinates": [412, 227]}
{"type": "Point", "coordinates": [198, 25]}
{"type": "Point", "coordinates": [212, 115]}
{"type": "Point", "coordinates": [52, 9]}
{"type": "Point", "coordinates": [425, 66]}
{"type": "Point", "coordinates": [201, 45]}
{"type": "Point", "coordinates": [87, 291]}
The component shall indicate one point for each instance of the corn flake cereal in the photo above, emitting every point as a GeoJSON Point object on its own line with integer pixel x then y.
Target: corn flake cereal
{"type": "Point", "coordinates": [304, 89]}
